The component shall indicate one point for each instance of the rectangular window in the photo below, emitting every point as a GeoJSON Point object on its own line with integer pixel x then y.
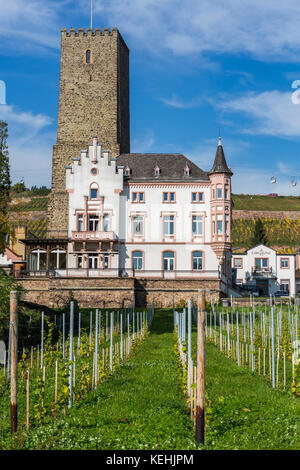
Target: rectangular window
{"type": "Point", "coordinates": [226, 224]}
{"type": "Point", "coordinates": [80, 223]}
{"type": "Point", "coordinates": [106, 262]}
{"type": "Point", "coordinates": [285, 285]}
{"type": "Point", "coordinates": [93, 261]}
{"type": "Point", "coordinates": [219, 193]}
{"type": "Point", "coordinates": [94, 193]}
{"type": "Point", "coordinates": [138, 225]}
{"type": "Point", "coordinates": [219, 227]}
{"type": "Point", "coordinates": [197, 225]}
{"type": "Point", "coordinates": [169, 225]}
{"type": "Point", "coordinates": [106, 222]}
{"type": "Point", "coordinates": [137, 260]}
{"type": "Point", "coordinates": [169, 197]}
{"type": "Point", "coordinates": [261, 263]}
{"type": "Point", "coordinates": [93, 223]}
{"type": "Point", "coordinates": [237, 263]}
{"type": "Point", "coordinates": [197, 260]}
{"type": "Point", "coordinates": [138, 197]}
{"type": "Point", "coordinates": [79, 261]}
{"type": "Point", "coordinates": [197, 197]}
{"type": "Point", "coordinates": [226, 192]}
{"type": "Point", "coordinates": [284, 263]}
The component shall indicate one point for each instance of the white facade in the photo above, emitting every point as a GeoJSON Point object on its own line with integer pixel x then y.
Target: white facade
{"type": "Point", "coordinates": [5, 260]}
{"type": "Point", "coordinates": [123, 227]}
{"type": "Point", "coordinates": [261, 266]}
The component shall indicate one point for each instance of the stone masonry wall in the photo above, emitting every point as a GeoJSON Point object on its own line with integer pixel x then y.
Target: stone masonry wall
{"type": "Point", "coordinates": [115, 292]}
{"type": "Point", "coordinates": [93, 101]}
{"type": "Point", "coordinates": [90, 293]}
{"type": "Point", "coordinates": [243, 214]}
{"type": "Point", "coordinates": [164, 290]}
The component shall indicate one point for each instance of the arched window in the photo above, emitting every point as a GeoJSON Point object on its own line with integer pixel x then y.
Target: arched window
{"type": "Point", "coordinates": [137, 260]}
{"type": "Point", "coordinates": [57, 259]}
{"type": "Point", "coordinates": [169, 260]}
{"type": "Point", "coordinates": [38, 260]}
{"type": "Point", "coordinates": [94, 191]}
{"type": "Point", "coordinates": [88, 56]}
{"type": "Point", "coordinates": [197, 260]}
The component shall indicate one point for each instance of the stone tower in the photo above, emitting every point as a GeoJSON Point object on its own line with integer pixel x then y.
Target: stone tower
{"type": "Point", "coordinates": [93, 101]}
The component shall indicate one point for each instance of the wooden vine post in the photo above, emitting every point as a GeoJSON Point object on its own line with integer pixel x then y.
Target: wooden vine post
{"type": "Point", "coordinates": [14, 361]}
{"type": "Point", "coordinates": [200, 397]}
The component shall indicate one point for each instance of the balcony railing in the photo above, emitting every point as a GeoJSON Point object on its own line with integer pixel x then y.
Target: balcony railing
{"type": "Point", "coordinates": [88, 236]}
{"type": "Point", "coordinates": [116, 272]}
{"type": "Point", "coordinates": [263, 272]}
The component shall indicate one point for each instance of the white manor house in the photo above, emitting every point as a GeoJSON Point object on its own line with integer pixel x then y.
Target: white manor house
{"type": "Point", "coordinates": [123, 227]}
{"type": "Point", "coordinates": [147, 215]}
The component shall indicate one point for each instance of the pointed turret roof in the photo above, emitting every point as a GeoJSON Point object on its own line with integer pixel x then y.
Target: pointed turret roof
{"type": "Point", "coordinates": [220, 165]}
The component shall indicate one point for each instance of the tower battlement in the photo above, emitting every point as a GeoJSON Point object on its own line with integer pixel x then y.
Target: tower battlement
{"type": "Point", "coordinates": [72, 32]}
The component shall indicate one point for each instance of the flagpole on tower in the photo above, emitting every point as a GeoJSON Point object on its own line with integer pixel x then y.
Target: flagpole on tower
{"type": "Point", "coordinates": [91, 14]}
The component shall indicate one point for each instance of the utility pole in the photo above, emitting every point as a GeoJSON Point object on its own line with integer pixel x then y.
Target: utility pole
{"type": "Point", "coordinates": [200, 396]}
{"type": "Point", "coordinates": [14, 361]}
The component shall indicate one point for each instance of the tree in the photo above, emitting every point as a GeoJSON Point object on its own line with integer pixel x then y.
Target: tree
{"type": "Point", "coordinates": [19, 187]}
{"type": "Point", "coordinates": [5, 185]}
{"type": "Point", "coordinates": [259, 236]}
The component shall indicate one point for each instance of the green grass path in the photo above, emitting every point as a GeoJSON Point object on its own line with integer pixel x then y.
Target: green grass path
{"type": "Point", "coordinates": [140, 407]}
{"type": "Point", "coordinates": [246, 412]}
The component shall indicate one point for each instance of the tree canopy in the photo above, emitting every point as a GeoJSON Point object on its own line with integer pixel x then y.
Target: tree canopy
{"type": "Point", "coordinates": [259, 236]}
{"type": "Point", "coordinates": [5, 185]}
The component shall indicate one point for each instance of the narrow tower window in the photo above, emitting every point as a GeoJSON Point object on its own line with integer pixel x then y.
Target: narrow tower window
{"type": "Point", "coordinates": [88, 56]}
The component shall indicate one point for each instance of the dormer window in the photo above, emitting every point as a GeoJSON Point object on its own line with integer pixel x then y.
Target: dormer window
{"type": "Point", "coordinates": [127, 171]}
{"type": "Point", "coordinates": [186, 171]}
{"type": "Point", "coordinates": [156, 171]}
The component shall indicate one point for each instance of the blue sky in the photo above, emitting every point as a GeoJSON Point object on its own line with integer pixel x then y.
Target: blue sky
{"type": "Point", "coordinates": [195, 66]}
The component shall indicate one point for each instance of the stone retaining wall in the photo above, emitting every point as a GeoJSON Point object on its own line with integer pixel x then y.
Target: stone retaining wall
{"type": "Point", "coordinates": [243, 214]}
{"type": "Point", "coordinates": [115, 292]}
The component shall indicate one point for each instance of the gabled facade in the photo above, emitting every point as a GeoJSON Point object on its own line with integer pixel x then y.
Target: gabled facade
{"type": "Point", "coordinates": [262, 268]}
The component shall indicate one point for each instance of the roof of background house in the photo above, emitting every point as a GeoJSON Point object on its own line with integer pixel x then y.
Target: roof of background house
{"type": "Point", "coordinates": [171, 167]}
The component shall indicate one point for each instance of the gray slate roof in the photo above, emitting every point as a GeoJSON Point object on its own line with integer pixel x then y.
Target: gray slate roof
{"type": "Point", "coordinates": [171, 167]}
{"type": "Point", "coordinates": [220, 165]}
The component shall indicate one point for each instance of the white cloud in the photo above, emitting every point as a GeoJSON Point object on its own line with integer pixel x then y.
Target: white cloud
{"type": "Point", "coordinates": [176, 102]}
{"type": "Point", "coordinates": [269, 112]}
{"type": "Point", "coordinates": [143, 143]}
{"type": "Point", "coordinates": [30, 145]}
{"type": "Point", "coordinates": [30, 25]}
{"type": "Point", "coordinates": [20, 119]}
{"type": "Point", "coordinates": [251, 181]}
{"type": "Point", "coordinates": [267, 30]}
